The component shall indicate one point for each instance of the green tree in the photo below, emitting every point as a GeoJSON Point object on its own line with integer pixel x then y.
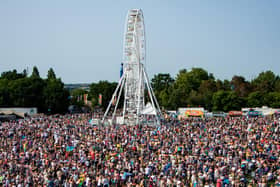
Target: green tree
{"type": "Point", "coordinates": [272, 99]}
{"type": "Point", "coordinates": [265, 82]}
{"type": "Point", "coordinates": [56, 96]}
{"type": "Point", "coordinates": [161, 81]}
{"type": "Point", "coordinates": [177, 98]}
{"type": "Point", "coordinates": [5, 99]}
{"type": "Point", "coordinates": [12, 75]}
{"type": "Point", "coordinates": [51, 74]}
{"type": "Point", "coordinates": [226, 101]}
{"type": "Point", "coordinates": [195, 99]}
{"type": "Point", "coordinates": [27, 92]}
{"type": "Point", "coordinates": [161, 84]}
{"type": "Point", "coordinates": [185, 90]}
{"type": "Point", "coordinates": [255, 99]}
{"type": "Point", "coordinates": [206, 89]}
{"type": "Point", "coordinates": [191, 80]}
{"type": "Point", "coordinates": [277, 84]}
{"type": "Point", "coordinates": [35, 72]}
{"type": "Point", "coordinates": [164, 98]}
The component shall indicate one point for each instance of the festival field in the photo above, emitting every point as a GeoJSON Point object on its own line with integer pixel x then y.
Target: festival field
{"type": "Point", "coordinates": [66, 150]}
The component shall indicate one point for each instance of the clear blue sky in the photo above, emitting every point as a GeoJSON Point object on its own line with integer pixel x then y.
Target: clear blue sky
{"type": "Point", "coordinates": [82, 40]}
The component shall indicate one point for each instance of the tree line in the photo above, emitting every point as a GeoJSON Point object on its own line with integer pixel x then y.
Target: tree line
{"type": "Point", "coordinates": [189, 88]}
{"type": "Point", "coordinates": [17, 89]}
{"type": "Point", "coordinates": [198, 88]}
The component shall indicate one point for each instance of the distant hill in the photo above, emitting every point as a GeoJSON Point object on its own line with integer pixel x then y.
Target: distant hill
{"type": "Point", "coordinates": [84, 86]}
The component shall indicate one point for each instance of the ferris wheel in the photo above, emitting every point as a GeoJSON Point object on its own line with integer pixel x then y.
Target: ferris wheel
{"type": "Point", "coordinates": [134, 38]}
{"type": "Point", "coordinates": [134, 79]}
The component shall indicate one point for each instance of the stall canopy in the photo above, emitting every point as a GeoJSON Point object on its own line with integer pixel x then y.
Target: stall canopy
{"type": "Point", "coordinates": [254, 113]}
{"type": "Point", "coordinates": [277, 113]}
{"type": "Point", "coordinates": [235, 113]}
{"type": "Point", "coordinates": [195, 113]}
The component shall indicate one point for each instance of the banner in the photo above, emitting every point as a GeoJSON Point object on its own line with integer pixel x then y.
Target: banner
{"type": "Point", "coordinates": [100, 99]}
{"type": "Point", "coordinates": [194, 113]}
{"type": "Point", "coordinates": [114, 100]}
{"type": "Point", "coordinates": [235, 113]}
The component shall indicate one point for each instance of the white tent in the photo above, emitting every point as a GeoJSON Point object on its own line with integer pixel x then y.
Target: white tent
{"type": "Point", "coordinates": [148, 110]}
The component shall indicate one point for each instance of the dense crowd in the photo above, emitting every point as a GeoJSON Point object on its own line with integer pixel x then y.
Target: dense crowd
{"type": "Point", "coordinates": [66, 150]}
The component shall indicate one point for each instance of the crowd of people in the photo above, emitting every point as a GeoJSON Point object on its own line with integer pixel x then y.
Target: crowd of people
{"type": "Point", "coordinates": [67, 150]}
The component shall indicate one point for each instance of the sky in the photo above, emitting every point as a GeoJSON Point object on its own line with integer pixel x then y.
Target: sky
{"type": "Point", "coordinates": [83, 40]}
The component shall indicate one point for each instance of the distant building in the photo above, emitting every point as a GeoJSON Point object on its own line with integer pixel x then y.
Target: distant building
{"type": "Point", "coordinates": [83, 86]}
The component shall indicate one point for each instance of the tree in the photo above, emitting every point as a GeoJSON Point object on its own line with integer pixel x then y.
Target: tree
{"type": "Point", "coordinates": [161, 84]}
{"type": "Point", "coordinates": [277, 84]}
{"type": "Point", "coordinates": [255, 99]}
{"type": "Point", "coordinates": [161, 81]}
{"type": "Point", "coordinates": [12, 75]}
{"type": "Point", "coordinates": [177, 98]}
{"type": "Point", "coordinates": [181, 85]}
{"type": "Point", "coordinates": [51, 74]}
{"type": "Point", "coordinates": [35, 72]}
{"type": "Point", "coordinates": [191, 80]}
{"type": "Point", "coordinates": [265, 82]}
{"type": "Point", "coordinates": [226, 100]}
{"type": "Point", "coordinates": [5, 99]}
{"type": "Point", "coordinates": [219, 100]}
{"type": "Point", "coordinates": [240, 86]}
{"type": "Point", "coordinates": [195, 99]}
{"type": "Point", "coordinates": [272, 99]}
{"type": "Point", "coordinates": [16, 89]}
{"type": "Point", "coordinates": [206, 89]}
{"type": "Point", "coordinates": [188, 81]}
{"type": "Point", "coordinates": [56, 97]}
{"type": "Point", "coordinates": [164, 98]}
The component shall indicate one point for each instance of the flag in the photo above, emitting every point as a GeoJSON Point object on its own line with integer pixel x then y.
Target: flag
{"type": "Point", "coordinates": [79, 98]}
{"type": "Point", "coordinates": [100, 99]}
{"type": "Point", "coordinates": [85, 98]}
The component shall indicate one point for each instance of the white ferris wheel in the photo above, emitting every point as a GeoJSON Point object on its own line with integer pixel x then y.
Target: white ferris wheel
{"type": "Point", "coordinates": [134, 79]}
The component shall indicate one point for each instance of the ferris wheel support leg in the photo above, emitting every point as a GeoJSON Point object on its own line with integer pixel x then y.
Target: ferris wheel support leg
{"type": "Point", "coordinates": [153, 94]}
{"type": "Point", "coordinates": [153, 98]}
{"type": "Point", "coordinates": [125, 99]}
{"type": "Point", "coordinates": [150, 93]}
{"type": "Point", "coordinates": [109, 106]}
{"type": "Point", "coordinates": [119, 96]}
{"type": "Point", "coordinates": [139, 91]}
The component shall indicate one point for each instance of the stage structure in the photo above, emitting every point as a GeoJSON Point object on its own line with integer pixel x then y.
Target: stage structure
{"type": "Point", "coordinates": [133, 79]}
